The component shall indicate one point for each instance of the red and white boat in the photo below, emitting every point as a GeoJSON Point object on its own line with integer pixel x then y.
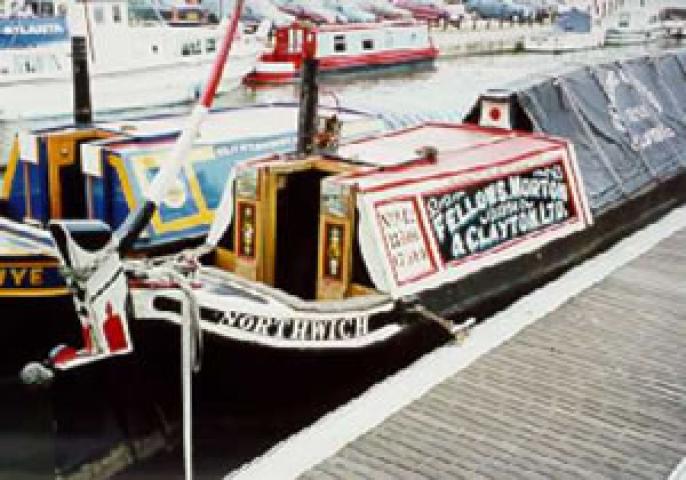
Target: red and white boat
{"type": "Point", "coordinates": [342, 48]}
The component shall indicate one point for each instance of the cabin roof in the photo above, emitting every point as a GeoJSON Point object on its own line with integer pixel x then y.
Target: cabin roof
{"type": "Point", "coordinates": [23, 241]}
{"type": "Point", "coordinates": [225, 126]}
{"type": "Point", "coordinates": [222, 125]}
{"type": "Point", "coordinates": [347, 27]}
{"type": "Point", "coordinates": [459, 148]}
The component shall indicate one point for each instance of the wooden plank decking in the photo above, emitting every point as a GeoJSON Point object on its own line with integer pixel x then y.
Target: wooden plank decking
{"type": "Point", "coordinates": [596, 389]}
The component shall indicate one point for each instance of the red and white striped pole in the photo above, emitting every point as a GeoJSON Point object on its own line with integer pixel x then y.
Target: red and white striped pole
{"type": "Point", "coordinates": [135, 223]}
{"type": "Point", "coordinates": [137, 220]}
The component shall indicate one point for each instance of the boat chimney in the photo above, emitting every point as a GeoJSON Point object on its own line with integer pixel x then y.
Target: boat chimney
{"type": "Point", "coordinates": [309, 95]}
{"type": "Point", "coordinates": [83, 113]}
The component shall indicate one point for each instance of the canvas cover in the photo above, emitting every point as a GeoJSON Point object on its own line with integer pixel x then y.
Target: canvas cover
{"type": "Point", "coordinates": [626, 120]}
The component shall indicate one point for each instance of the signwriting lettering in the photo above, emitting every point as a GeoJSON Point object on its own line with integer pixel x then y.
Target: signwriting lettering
{"type": "Point", "coordinates": [259, 145]}
{"type": "Point", "coordinates": [639, 121]}
{"type": "Point", "coordinates": [33, 29]}
{"type": "Point", "coordinates": [477, 218]}
{"type": "Point", "coordinates": [21, 277]}
{"type": "Point", "coordinates": [297, 329]}
{"type": "Point", "coordinates": [405, 244]}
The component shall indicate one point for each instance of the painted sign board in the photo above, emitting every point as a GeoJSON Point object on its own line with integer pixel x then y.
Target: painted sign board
{"type": "Point", "coordinates": [436, 231]}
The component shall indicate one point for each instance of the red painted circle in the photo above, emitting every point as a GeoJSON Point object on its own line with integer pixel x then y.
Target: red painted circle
{"type": "Point", "coordinates": [494, 114]}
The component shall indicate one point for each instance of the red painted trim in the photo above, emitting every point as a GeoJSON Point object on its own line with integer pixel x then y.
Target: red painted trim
{"type": "Point", "coordinates": [221, 60]}
{"type": "Point", "coordinates": [586, 214]}
{"type": "Point", "coordinates": [422, 161]}
{"type": "Point", "coordinates": [344, 62]}
{"type": "Point", "coordinates": [256, 78]}
{"type": "Point", "coordinates": [425, 238]}
{"type": "Point", "coordinates": [452, 173]}
{"type": "Point", "coordinates": [377, 58]}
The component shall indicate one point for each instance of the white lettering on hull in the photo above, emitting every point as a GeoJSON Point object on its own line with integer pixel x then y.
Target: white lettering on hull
{"type": "Point", "coordinates": [297, 329]}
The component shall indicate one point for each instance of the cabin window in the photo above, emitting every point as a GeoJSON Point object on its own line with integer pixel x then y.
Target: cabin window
{"type": "Point", "coordinates": [140, 13]}
{"type": "Point", "coordinates": [40, 8]}
{"type": "Point", "coordinates": [210, 45]}
{"type": "Point", "coordinates": [98, 14]}
{"type": "Point", "coordinates": [295, 38]}
{"type": "Point", "coordinates": [339, 43]}
{"type": "Point", "coordinates": [624, 20]}
{"type": "Point", "coordinates": [29, 64]}
{"type": "Point", "coordinates": [191, 48]}
{"type": "Point", "coordinates": [116, 13]}
{"type": "Point", "coordinates": [367, 44]}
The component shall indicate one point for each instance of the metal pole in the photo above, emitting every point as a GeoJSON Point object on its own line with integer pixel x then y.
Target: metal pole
{"type": "Point", "coordinates": [83, 113]}
{"type": "Point", "coordinates": [309, 95]}
{"type": "Point", "coordinates": [187, 393]}
{"type": "Point", "coordinates": [308, 106]}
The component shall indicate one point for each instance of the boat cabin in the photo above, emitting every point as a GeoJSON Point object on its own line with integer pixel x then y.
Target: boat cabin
{"type": "Point", "coordinates": [101, 172]}
{"type": "Point", "coordinates": [400, 213]}
{"type": "Point", "coordinates": [343, 47]}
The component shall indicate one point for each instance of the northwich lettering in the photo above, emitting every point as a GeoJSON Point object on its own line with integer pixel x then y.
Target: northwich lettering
{"type": "Point", "coordinates": [302, 329]}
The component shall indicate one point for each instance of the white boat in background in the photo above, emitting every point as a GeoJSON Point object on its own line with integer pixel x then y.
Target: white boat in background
{"type": "Point", "coordinates": [634, 26]}
{"type": "Point", "coordinates": [673, 19]}
{"type": "Point", "coordinates": [136, 60]}
{"type": "Point", "coordinates": [574, 30]}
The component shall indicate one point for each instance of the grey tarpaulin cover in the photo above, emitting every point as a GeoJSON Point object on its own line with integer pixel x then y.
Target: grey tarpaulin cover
{"type": "Point", "coordinates": [626, 119]}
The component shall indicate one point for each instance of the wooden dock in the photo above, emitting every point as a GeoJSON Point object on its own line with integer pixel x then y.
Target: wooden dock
{"type": "Point", "coordinates": [595, 389]}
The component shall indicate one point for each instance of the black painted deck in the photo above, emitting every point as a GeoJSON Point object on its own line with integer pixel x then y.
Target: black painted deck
{"type": "Point", "coordinates": [597, 389]}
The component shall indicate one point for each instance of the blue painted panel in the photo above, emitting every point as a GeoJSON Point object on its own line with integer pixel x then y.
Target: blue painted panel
{"type": "Point", "coordinates": [28, 32]}
{"type": "Point", "coordinates": [17, 200]}
{"type": "Point", "coordinates": [185, 209]}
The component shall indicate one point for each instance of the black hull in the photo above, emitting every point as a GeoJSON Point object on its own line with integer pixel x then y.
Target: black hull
{"type": "Point", "coordinates": [32, 326]}
{"type": "Point", "coordinates": [490, 290]}
{"type": "Point", "coordinates": [264, 372]}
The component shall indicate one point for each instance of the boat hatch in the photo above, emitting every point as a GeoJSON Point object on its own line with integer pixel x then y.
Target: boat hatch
{"type": "Point", "coordinates": [293, 230]}
{"type": "Point", "coordinates": [44, 177]}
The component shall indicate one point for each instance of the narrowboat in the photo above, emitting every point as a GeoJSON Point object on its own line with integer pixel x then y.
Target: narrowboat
{"type": "Point", "coordinates": [343, 48]}
{"type": "Point", "coordinates": [101, 172]}
{"type": "Point", "coordinates": [344, 246]}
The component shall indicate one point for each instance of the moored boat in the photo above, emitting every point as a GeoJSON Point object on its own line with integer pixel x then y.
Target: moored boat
{"type": "Point", "coordinates": [634, 26]}
{"type": "Point", "coordinates": [342, 247]}
{"type": "Point", "coordinates": [573, 30]}
{"type": "Point", "coordinates": [100, 172]}
{"type": "Point", "coordinates": [673, 20]}
{"type": "Point", "coordinates": [345, 248]}
{"type": "Point", "coordinates": [136, 60]}
{"type": "Point", "coordinates": [327, 250]}
{"type": "Point", "coordinates": [342, 48]}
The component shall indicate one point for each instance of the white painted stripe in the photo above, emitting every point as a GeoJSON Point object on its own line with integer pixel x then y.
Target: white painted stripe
{"type": "Point", "coordinates": [679, 472]}
{"type": "Point", "coordinates": [332, 432]}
